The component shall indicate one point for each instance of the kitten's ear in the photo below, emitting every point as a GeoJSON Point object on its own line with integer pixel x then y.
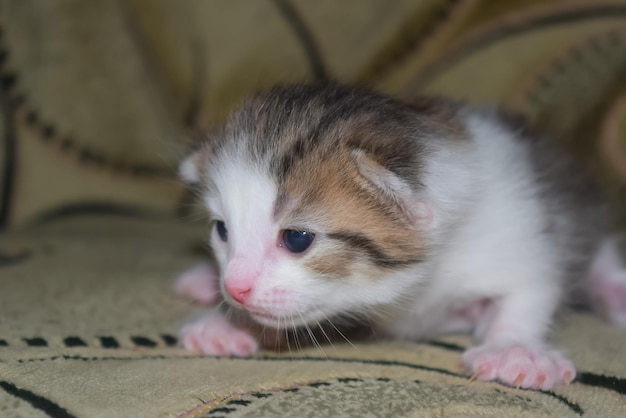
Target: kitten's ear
{"type": "Point", "coordinates": [416, 206]}
{"type": "Point", "coordinates": [188, 169]}
{"type": "Point", "coordinates": [388, 182]}
{"type": "Point", "coordinates": [191, 169]}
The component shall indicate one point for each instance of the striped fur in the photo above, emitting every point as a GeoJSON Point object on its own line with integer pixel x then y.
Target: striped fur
{"type": "Point", "coordinates": [306, 137]}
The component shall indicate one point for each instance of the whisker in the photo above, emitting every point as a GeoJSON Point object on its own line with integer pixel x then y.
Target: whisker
{"type": "Point", "coordinates": [321, 327]}
{"type": "Point", "coordinates": [314, 340]}
{"type": "Point", "coordinates": [319, 346]}
{"type": "Point", "coordinates": [295, 333]}
{"type": "Point", "coordinates": [341, 333]}
{"type": "Point", "coordinates": [286, 337]}
{"type": "Point", "coordinates": [228, 312]}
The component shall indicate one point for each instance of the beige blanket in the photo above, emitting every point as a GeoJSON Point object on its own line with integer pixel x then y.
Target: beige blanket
{"type": "Point", "coordinates": [88, 322]}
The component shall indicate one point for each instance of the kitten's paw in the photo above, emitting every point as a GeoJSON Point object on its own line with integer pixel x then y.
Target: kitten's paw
{"type": "Point", "coordinates": [519, 366]}
{"type": "Point", "coordinates": [215, 336]}
{"type": "Point", "coordinates": [200, 284]}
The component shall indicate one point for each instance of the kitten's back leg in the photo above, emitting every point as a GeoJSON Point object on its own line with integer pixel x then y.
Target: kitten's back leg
{"type": "Point", "coordinates": [606, 283]}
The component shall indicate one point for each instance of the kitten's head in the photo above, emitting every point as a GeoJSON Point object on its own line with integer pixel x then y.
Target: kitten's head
{"type": "Point", "coordinates": [316, 201]}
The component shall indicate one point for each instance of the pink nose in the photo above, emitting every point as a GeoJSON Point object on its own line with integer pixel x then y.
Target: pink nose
{"type": "Point", "coordinates": [239, 293]}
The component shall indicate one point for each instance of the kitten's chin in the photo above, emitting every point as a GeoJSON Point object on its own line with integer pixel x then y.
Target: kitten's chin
{"type": "Point", "coordinates": [288, 321]}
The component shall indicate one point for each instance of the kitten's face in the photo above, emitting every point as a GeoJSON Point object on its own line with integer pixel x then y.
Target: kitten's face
{"type": "Point", "coordinates": [292, 255]}
{"type": "Point", "coordinates": [314, 196]}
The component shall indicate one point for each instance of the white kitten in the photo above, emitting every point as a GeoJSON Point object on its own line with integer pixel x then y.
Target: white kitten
{"type": "Point", "coordinates": [421, 216]}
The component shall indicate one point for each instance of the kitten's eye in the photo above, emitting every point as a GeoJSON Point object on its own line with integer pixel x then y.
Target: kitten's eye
{"type": "Point", "coordinates": [297, 241]}
{"type": "Point", "coordinates": [221, 230]}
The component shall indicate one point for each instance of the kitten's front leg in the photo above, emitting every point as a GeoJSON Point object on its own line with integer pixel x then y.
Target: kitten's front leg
{"type": "Point", "coordinates": [214, 335]}
{"type": "Point", "coordinates": [199, 284]}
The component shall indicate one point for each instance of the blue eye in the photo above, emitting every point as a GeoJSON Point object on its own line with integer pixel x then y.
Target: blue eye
{"type": "Point", "coordinates": [297, 241]}
{"type": "Point", "coordinates": [221, 230]}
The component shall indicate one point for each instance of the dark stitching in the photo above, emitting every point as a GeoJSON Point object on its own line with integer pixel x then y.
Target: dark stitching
{"type": "Point", "coordinates": [305, 37]}
{"type": "Point", "coordinates": [375, 362]}
{"type": "Point", "coordinates": [348, 380]}
{"type": "Point", "coordinates": [169, 340]}
{"type": "Point", "coordinates": [447, 346]}
{"type": "Point", "coordinates": [608, 382]}
{"type": "Point", "coordinates": [74, 342]}
{"type": "Point", "coordinates": [109, 342]}
{"type": "Point", "coordinates": [241, 402]}
{"type": "Point", "coordinates": [143, 342]}
{"type": "Point", "coordinates": [35, 342]}
{"type": "Point", "coordinates": [318, 384]}
{"type": "Point", "coordinates": [8, 81]}
{"type": "Point", "coordinates": [105, 341]}
{"type": "Point", "coordinates": [38, 402]}
{"type": "Point", "coordinates": [390, 57]}
{"type": "Point", "coordinates": [105, 358]}
{"type": "Point", "coordinates": [589, 379]}
{"type": "Point", "coordinates": [460, 54]}
{"type": "Point", "coordinates": [572, 405]}
{"type": "Point", "coordinates": [521, 398]}
{"type": "Point", "coordinates": [222, 409]}
{"type": "Point", "coordinates": [559, 67]}
{"type": "Point", "coordinates": [49, 134]}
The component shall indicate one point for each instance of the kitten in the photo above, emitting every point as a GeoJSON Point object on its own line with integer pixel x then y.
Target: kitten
{"type": "Point", "coordinates": [422, 216]}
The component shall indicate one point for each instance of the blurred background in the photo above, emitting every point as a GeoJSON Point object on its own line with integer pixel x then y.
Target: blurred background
{"type": "Point", "coordinates": [99, 98]}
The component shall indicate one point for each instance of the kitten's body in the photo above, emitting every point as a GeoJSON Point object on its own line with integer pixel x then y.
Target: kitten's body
{"type": "Point", "coordinates": [428, 217]}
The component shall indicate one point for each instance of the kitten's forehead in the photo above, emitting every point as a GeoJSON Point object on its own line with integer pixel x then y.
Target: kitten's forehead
{"type": "Point", "coordinates": [290, 123]}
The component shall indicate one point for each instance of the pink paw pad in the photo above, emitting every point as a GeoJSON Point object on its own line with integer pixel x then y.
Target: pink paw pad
{"type": "Point", "coordinates": [215, 336]}
{"type": "Point", "coordinates": [200, 284]}
{"type": "Point", "coordinates": [519, 366]}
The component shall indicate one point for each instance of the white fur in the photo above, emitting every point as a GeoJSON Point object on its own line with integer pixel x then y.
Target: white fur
{"type": "Point", "coordinates": [510, 264]}
{"type": "Point", "coordinates": [481, 215]}
{"type": "Point", "coordinates": [471, 187]}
